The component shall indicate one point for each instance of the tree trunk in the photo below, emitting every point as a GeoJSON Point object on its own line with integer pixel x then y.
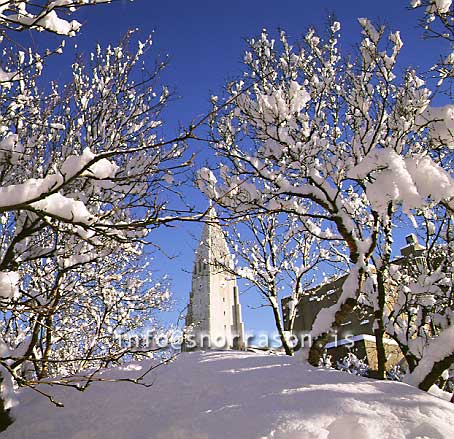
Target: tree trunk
{"type": "Point", "coordinates": [382, 271]}
{"type": "Point", "coordinates": [277, 317]}
{"type": "Point", "coordinates": [318, 346]}
{"type": "Point", "coordinates": [380, 330]}
{"type": "Point", "coordinates": [411, 360]}
{"type": "Point", "coordinates": [381, 353]}
{"type": "Point", "coordinates": [437, 369]}
{"type": "Point", "coordinates": [5, 418]}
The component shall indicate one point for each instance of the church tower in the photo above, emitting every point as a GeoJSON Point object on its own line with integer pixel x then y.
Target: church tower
{"type": "Point", "coordinates": [214, 309]}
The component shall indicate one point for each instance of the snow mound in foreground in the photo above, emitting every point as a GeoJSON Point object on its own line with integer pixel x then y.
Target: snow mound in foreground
{"type": "Point", "coordinates": [241, 395]}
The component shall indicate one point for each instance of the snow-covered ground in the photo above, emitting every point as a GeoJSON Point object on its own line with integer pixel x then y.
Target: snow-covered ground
{"type": "Point", "coordinates": [237, 395]}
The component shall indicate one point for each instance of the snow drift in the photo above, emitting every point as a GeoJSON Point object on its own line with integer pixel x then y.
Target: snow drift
{"type": "Point", "coordinates": [237, 395]}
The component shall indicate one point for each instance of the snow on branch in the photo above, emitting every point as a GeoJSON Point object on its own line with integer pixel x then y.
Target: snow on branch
{"type": "Point", "coordinates": [18, 15]}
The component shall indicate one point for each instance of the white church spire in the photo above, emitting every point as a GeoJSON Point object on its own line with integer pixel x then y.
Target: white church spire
{"type": "Point", "coordinates": [214, 309]}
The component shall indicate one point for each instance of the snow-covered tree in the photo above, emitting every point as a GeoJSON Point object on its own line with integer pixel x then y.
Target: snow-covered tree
{"type": "Point", "coordinates": [437, 22]}
{"type": "Point", "coordinates": [83, 178]}
{"type": "Point", "coordinates": [275, 255]}
{"type": "Point", "coordinates": [420, 312]}
{"type": "Point", "coordinates": [351, 142]}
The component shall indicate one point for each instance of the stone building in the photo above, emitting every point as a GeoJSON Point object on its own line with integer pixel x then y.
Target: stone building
{"type": "Point", "coordinates": [360, 321]}
{"type": "Point", "coordinates": [214, 309]}
{"type": "Point", "coordinates": [359, 325]}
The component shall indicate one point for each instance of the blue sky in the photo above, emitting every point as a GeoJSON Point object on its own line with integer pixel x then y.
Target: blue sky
{"type": "Point", "coordinates": [205, 41]}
